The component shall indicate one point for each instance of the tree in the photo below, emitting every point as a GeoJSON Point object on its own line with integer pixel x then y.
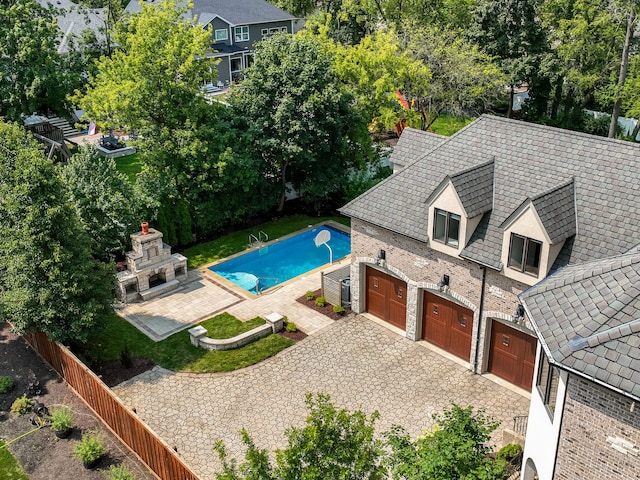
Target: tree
{"type": "Point", "coordinates": [35, 77]}
{"type": "Point", "coordinates": [464, 80]}
{"type": "Point", "coordinates": [304, 127]}
{"type": "Point", "coordinates": [583, 38]}
{"type": "Point", "coordinates": [510, 30]}
{"type": "Point", "coordinates": [49, 281]}
{"type": "Point", "coordinates": [457, 449]}
{"type": "Point", "coordinates": [629, 11]}
{"type": "Point", "coordinates": [152, 82]}
{"type": "Point", "coordinates": [104, 200]}
{"type": "Point", "coordinates": [377, 68]}
{"type": "Point", "coordinates": [297, 8]}
{"type": "Point", "coordinates": [334, 443]}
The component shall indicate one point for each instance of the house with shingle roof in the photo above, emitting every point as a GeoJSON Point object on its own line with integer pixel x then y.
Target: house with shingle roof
{"type": "Point", "coordinates": [235, 27]}
{"type": "Point", "coordinates": [442, 248]}
{"type": "Point", "coordinates": [583, 421]}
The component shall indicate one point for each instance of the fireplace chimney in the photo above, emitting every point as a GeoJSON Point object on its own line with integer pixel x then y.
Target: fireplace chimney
{"type": "Point", "coordinates": [145, 227]}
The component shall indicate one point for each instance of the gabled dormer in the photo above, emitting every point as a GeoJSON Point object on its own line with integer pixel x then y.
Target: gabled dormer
{"type": "Point", "coordinates": [535, 232]}
{"type": "Point", "coordinates": [456, 206]}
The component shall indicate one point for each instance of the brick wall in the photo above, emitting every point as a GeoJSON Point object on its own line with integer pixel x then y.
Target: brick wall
{"type": "Point", "coordinates": [423, 268]}
{"type": "Point", "coordinates": [592, 417]}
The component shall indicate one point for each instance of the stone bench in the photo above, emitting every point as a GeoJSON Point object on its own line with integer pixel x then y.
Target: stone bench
{"type": "Point", "coordinates": [198, 335]}
{"type": "Point", "coordinates": [160, 289]}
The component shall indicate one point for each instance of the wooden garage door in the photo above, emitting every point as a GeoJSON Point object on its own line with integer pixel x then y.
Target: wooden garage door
{"type": "Point", "coordinates": [447, 325]}
{"type": "Point", "coordinates": [512, 355]}
{"type": "Point", "coordinates": [387, 297]}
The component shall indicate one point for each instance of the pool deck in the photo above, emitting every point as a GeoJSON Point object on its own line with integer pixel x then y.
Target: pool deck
{"type": "Point", "coordinates": [202, 297]}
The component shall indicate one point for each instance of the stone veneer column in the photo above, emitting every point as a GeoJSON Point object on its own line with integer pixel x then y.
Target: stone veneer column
{"type": "Point", "coordinates": [412, 311]}
{"type": "Point", "coordinates": [355, 287]}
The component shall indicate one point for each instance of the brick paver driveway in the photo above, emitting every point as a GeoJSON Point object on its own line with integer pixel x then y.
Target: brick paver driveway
{"type": "Point", "coordinates": [358, 362]}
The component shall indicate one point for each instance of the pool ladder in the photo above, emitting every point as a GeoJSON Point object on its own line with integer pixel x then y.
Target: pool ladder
{"type": "Point", "coordinates": [262, 237]}
{"type": "Point", "coordinates": [258, 289]}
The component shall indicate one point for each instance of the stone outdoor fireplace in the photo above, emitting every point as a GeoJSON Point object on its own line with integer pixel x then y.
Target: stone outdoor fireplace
{"type": "Point", "coordinates": [151, 268]}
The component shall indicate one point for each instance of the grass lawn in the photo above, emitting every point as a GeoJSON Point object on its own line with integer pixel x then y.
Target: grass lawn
{"type": "Point", "coordinates": [10, 469]}
{"type": "Point", "coordinates": [129, 165]}
{"type": "Point", "coordinates": [176, 352]}
{"type": "Point", "coordinates": [448, 124]}
{"type": "Point", "coordinates": [222, 247]}
{"type": "Point", "coordinates": [226, 326]}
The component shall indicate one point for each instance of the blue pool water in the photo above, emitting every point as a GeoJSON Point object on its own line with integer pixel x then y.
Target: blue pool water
{"type": "Point", "coordinates": [283, 260]}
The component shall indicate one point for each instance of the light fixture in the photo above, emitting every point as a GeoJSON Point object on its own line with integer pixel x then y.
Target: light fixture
{"type": "Point", "coordinates": [518, 313]}
{"type": "Point", "coordinates": [382, 255]}
{"type": "Point", "coordinates": [443, 283]}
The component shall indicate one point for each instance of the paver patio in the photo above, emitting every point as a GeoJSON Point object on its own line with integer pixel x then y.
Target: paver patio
{"type": "Point", "coordinates": [359, 363]}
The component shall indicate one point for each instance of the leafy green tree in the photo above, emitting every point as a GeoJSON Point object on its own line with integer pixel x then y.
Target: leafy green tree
{"type": "Point", "coordinates": [104, 200]}
{"type": "Point", "coordinates": [35, 77]}
{"type": "Point", "coordinates": [304, 126]}
{"type": "Point", "coordinates": [510, 30]}
{"type": "Point", "coordinates": [583, 38]}
{"type": "Point", "coordinates": [457, 449]}
{"type": "Point", "coordinates": [376, 68]}
{"type": "Point", "coordinates": [49, 281]}
{"type": "Point", "coordinates": [298, 8]}
{"type": "Point", "coordinates": [334, 443]}
{"type": "Point", "coordinates": [152, 82]}
{"type": "Point", "coordinates": [464, 80]}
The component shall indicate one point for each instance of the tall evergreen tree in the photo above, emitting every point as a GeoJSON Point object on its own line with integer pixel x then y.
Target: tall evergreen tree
{"type": "Point", "coordinates": [49, 280]}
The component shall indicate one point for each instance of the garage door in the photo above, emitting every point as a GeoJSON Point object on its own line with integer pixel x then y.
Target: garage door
{"type": "Point", "coordinates": [447, 325]}
{"type": "Point", "coordinates": [512, 355]}
{"type": "Point", "coordinates": [387, 298]}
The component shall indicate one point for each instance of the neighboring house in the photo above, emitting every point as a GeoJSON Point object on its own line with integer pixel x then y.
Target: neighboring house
{"type": "Point", "coordinates": [442, 248]}
{"type": "Point", "coordinates": [235, 27]}
{"type": "Point", "coordinates": [584, 418]}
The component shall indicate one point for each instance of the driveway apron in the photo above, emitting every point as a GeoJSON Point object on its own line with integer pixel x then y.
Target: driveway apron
{"type": "Point", "coordinates": [359, 363]}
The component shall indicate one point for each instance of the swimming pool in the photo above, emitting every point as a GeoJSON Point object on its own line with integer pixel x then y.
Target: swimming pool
{"type": "Point", "coordinates": [275, 263]}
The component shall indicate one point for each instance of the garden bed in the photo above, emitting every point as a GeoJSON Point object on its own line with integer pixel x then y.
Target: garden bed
{"type": "Point", "coordinates": [326, 310]}
{"type": "Point", "coordinates": [39, 453]}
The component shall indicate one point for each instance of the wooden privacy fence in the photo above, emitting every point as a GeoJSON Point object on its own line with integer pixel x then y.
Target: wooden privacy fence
{"type": "Point", "coordinates": [158, 457]}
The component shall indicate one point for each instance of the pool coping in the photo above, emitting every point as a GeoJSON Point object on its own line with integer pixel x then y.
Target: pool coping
{"type": "Point", "coordinates": [214, 277]}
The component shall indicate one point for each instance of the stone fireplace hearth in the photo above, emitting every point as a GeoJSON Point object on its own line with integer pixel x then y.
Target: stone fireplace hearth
{"type": "Point", "coordinates": [151, 268]}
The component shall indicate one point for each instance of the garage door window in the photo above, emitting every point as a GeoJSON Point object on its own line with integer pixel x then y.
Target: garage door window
{"type": "Point", "coordinates": [446, 228]}
{"type": "Point", "coordinates": [547, 383]}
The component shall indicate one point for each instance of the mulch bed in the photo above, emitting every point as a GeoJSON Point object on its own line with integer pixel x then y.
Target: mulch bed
{"type": "Point", "coordinates": [40, 454]}
{"type": "Point", "coordinates": [115, 372]}
{"type": "Point", "coordinates": [327, 310]}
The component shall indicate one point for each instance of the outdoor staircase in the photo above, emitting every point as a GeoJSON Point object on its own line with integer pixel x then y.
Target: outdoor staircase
{"type": "Point", "coordinates": [64, 125]}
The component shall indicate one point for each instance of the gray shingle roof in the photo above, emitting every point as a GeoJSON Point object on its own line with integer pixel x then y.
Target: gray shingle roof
{"type": "Point", "coordinates": [475, 188]}
{"type": "Point", "coordinates": [529, 160]}
{"type": "Point", "coordinates": [74, 19]}
{"type": "Point", "coordinates": [414, 144]}
{"type": "Point", "coordinates": [557, 212]}
{"type": "Point", "coordinates": [598, 302]}
{"type": "Point", "coordinates": [236, 12]}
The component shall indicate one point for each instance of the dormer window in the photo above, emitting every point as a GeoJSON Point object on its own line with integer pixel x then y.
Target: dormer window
{"type": "Point", "coordinates": [524, 254]}
{"type": "Point", "coordinates": [446, 228]}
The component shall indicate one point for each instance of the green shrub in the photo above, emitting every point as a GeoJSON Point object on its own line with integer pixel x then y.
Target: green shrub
{"type": "Point", "coordinates": [21, 405]}
{"type": "Point", "coordinates": [310, 295]}
{"type": "Point", "coordinates": [291, 327]}
{"type": "Point", "coordinates": [6, 384]}
{"type": "Point", "coordinates": [338, 309]}
{"type": "Point", "coordinates": [121, 472]}
{"type": "Point", "coordinates": [321, 301]}
{"type": "Point", "coordinates": [509, 452]}
{"type": "Point", "coordinates": [90, 448]}
{"type": "Point", "coordinates": [60, 419]}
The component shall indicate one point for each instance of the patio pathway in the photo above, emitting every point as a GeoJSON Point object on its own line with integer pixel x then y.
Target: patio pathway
{"type": "Point", "coordinates": [360, 363]}
{"type": "Point", "coordinates": [201, 298]}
